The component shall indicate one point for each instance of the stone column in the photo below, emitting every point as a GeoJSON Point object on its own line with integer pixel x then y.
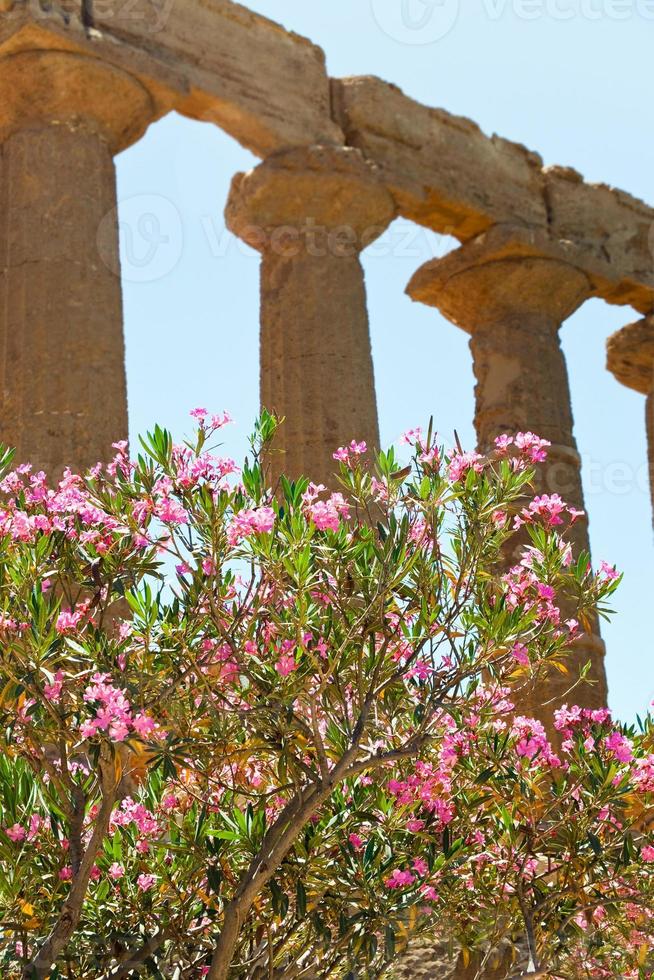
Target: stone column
{"type": "Point", "coordinates": [630, 357]}
{"type": "Point", "coordinates": [62, 373]}
{"type": "Point", "coordinates": [310, 212]}
{"type": "Point", "coordinates": [511, 289]}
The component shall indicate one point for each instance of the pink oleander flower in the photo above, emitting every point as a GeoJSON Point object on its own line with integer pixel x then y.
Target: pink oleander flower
{"type": "Point", "coordinates": [221, 420]}
{"type": "Point", "coordinates": [356, 842]}
{"type": "Point", "coordinates": [36, 823]}
{"type": "Point", "coordinates": [67, 621]}
{"type": "Point", "coordinates": [66, 873]}
{"type": "Point", "coordinates": [609, 572]}
{"type": "Point", "coordinates": [53, 691]}
{"type": "Point", "coordinates": [411, 436]}
{"type": "Point", "coordinates": [461, 463]}
{"type": "Point", "coordinates": [532, 446]}
{"type": "Point", "coordinates": [143, 725]}
{"type": "Point", "coordinates": [326, 514]}
{"type": "Point", "coordinates": [171, 511]}
{"type": "Point", "coordinates": [400, 879]}
{"type": "Point", "coordinates": [347, 454]}
{"type": "Point", "coordinates": [145, 882]}
{"type": "Point", "coordinates": [113, 712]}
{"type": "Point", "coordinates": [520, 653]}
{"type": "Point", "coordinates": [116, 871]}
{"type": "Point", "coordinates": [620, 747]}
{"type": "Point", "coordinates": [430, 458]}
{"type": "Point", "coordinates": [324, 517]}
{"type": "Point", "coordinates": [532, 743]}
{"type": "Point", "coordinates": [246, 522]}
{"type": "Point", "coordinates": [503, 443]}
{"type": "Point", "coordinates": [647, 854]}
{"type": "Point", "coordinates": [548, 506]}
{"type": "Point", "coordinates": [644, 774]}
{"type": "Point", "coordinates": [16, 833]}
{"type": "Point", "coordinates": [286, 664]}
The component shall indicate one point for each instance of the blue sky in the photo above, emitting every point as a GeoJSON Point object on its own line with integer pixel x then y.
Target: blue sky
{"type": "Point", "coordinates": [570, 79]}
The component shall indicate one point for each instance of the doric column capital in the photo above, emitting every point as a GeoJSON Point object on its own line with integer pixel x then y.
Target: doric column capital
{"type": "Point", "coordinates": [630, 358]}
{"type": "Point", "coordinates": [503, 276]}
{"type": "Point", "coordinates": [313, 192]}
{"type": "Point", "coordinates": [47, 87]}
{"type": "Point", "coordinates": [630, 355]}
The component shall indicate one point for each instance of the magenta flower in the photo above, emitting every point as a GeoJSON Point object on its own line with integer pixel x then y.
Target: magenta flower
{"type": "Point", "coordinates": [16, 833]}
{"type": "Point", "coordinates": [521, 654]}
{"type": "Point", "coordinates": [620, 747]}
{"type": "Point", "coordinates": [53, 691]}
{"type": "Point", "coordinates": [67, 621]}
{"type": "Point", "coordinates": [400, 879]}
{"type": "Point", "coordinates": [286, 665]}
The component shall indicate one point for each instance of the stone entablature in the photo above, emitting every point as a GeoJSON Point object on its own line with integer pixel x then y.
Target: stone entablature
{"type": "Point", "coordinates": [219, 62]}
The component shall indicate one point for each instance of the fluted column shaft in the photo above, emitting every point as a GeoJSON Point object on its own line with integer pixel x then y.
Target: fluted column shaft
{"type": "Point", "coordinates": [310, 212]}
{"type": "Point", "coordinates": [62, 353]}
{"type": "Point", "coordinates": [62, 373]}
{"type": "Point", "coordinates": [316, 365]}
{"type": "Point", "coordinates": [630, 357]}
{"type": "Point", "coordinates": [522, 385]}
{"type": "Point", "coordinates": [511, 289]}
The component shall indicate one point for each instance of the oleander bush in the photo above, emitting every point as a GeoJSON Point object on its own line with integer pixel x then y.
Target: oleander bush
{"type": "Point", "coordinates": [256, 731]}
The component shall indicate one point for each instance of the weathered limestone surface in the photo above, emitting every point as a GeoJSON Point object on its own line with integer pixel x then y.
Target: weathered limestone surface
{"type": "Point", "coordinates": [210, 59]}
{"type": "Point", "coordinates": [614, 229]}
{"type": "Point", "coordinates": [62, 369]}
{"type": "Point", "coordinates": [446, 174]}
{"type": "Point", "coordinates": [442, 170]}
{"type": "Point", "coordinates": [511, 290]}
{"type": "Point", "coordinates": [630, 357]}
{"type": "Point", "coordinates": [425, 961]}
{"type": "Point", "coordinates": [63, 88]}
{"type": "Point", "coordinates": [310, 212]}
{"type": "Point", "coordinates": [267, 87]}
